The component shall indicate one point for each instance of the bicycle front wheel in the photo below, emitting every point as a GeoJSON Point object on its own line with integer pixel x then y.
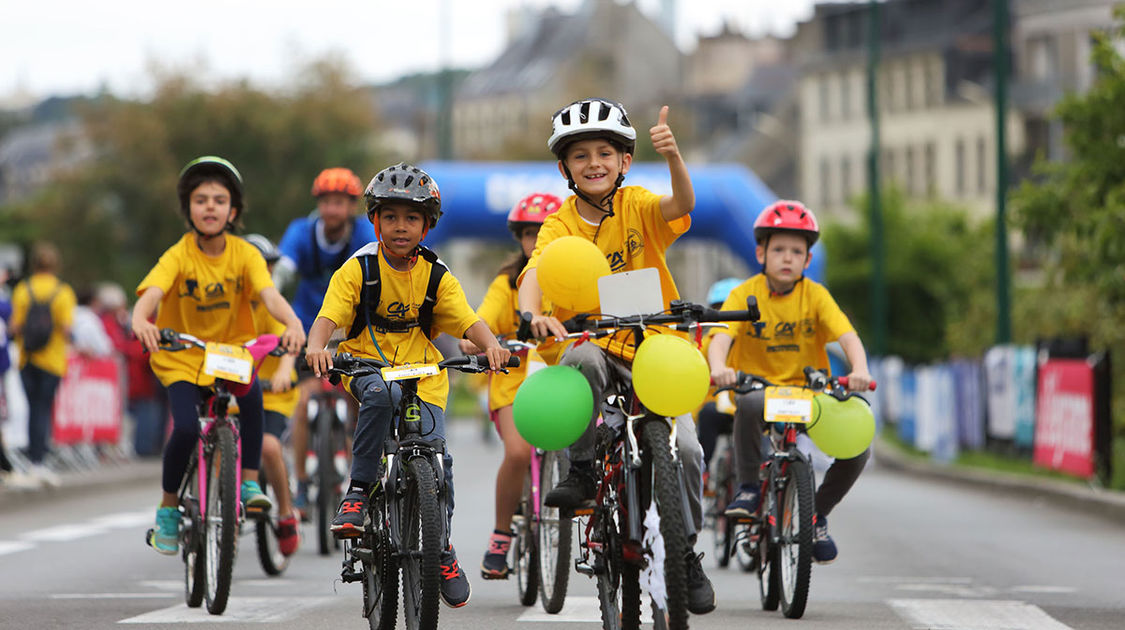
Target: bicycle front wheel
{"type": "Point", "coordinates": [795, 546]}
{"type": "Point", "coordinates": [269, 551]}
{"type": "Point", "coordinates": [665, 487]}
{"type": "Point", "coordinates": [195, 566]}
{"type": "Point", "coordinates": [221, 519]}
{"type": "Point", "coordinates": [420, 530]}
{"type": "Point", "coordinates": [327, 477]}
{"type": "Point", "coordinates": [554, 531]}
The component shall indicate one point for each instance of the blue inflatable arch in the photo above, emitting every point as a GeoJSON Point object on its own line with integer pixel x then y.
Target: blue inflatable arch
{"type": "Point", "coordinates": [476, 198]}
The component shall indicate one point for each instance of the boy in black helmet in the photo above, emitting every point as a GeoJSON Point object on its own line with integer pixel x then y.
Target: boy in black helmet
{"type": "Point", "coordinates": [396, 327]}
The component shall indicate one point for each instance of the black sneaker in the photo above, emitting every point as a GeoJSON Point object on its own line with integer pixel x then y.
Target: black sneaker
{"type": "Point", "coordinates": [579, 487]}
{"type": "Point", "coordinates": [823, 547]}
{"type": "Point", "coordinates": [495, 564]}
{"type": "Point", "coordinates": [348, 522]}
{"type": "Point", "coordinates": [701, 595]}
{"type": "Point", "coordinates": [455, 589]}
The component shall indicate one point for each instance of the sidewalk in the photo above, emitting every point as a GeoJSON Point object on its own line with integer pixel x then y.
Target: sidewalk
{"type": "Point", "coordinates": [74, 483]}
{"type": "Point", "coordinates": [1107, 503]}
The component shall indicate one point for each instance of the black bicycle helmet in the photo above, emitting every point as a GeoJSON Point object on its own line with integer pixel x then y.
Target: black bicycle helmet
{"type": "Point", "coordinates": [404, 183]}
{"type": "Point", "coordinates": [210, 167]}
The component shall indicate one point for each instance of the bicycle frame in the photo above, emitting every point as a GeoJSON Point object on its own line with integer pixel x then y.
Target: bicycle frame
{"type": "Point", "coordinates": [213, 414]}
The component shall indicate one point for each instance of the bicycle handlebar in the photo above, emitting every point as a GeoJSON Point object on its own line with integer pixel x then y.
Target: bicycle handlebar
{"type": "Point", "coordinates": [173, 341]}
{"type": "Point", "coordinates": [816, 380]}
{"type": "Point", "coordinates": [344, 364]}
{"type": "Point", "coordinates": [682, 315]}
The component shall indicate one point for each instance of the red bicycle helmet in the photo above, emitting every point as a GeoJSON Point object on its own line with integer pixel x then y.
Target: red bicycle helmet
{"type": "Point", "coordinates": [532, 210]}
{"type": "Point", "coordinates": [337, 180]}
{"type": "Point", "coordinates": [786, 216]}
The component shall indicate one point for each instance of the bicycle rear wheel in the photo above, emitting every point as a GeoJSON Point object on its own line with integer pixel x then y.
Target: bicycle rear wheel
{"type": "Point", "coordinates": [380, 582]}
{"type": "Point", "coordinates": [222, 519]}
{"type": "Point", "coordinates": [554, 531]}
{"type": "Point", "coordinates": [327, 477]}
{"type": "Point", "coordinates": [795, 546]}
{"type": "Point", "coordinates": [420, 530]}
{"type": "Point", "coordinates": [526, 551]}
{"type": "Point", "coordinates": [269, 552]}
{"type": "Point", "coordinates": [664, 481]}
{"type": "Point", "coordinates": [619, 589]}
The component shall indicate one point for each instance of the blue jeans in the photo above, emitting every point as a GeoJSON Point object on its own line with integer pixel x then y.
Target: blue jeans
{"type": "Point", "coordinates": [40, 387]}
{"type": "Point", "coordinates": [377, 403]}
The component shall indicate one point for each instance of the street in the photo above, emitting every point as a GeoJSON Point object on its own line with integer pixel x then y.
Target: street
{"type": "Point", "coordinates": [913, 554]}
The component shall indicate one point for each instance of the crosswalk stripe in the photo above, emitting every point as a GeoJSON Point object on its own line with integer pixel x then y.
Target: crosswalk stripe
{"type": "Point", "coordinates": [12, 546]}
{"type": "Point", "coordinates": [964, 614]}
{"type": "Point", "coordinates": [112, 595]}
{"type": "Point", "coordinates": [239, 610]}
{"type": "Point", "coordinates": [581, 609]}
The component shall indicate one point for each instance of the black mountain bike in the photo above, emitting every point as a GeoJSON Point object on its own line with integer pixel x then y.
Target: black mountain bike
{"type": "Point", "coordinates": [640, 482]}
{"type": "Point", "coordinates": [329, 436]}
{"type": "Point", "coordinates": [405, 525]}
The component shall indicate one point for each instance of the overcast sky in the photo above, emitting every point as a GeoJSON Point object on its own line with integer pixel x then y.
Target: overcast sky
{"type": "Point", "coordinates": [74, 46]}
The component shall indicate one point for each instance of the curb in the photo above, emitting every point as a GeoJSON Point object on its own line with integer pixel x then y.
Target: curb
{"type": "Point", "coordinates": [73, 484]}
{"type": "Point", "coordinates": [1108, 504]}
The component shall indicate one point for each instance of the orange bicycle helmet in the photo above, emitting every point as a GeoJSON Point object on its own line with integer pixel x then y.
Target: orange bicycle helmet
{"type": "Point", "coordinates": [337, 180]}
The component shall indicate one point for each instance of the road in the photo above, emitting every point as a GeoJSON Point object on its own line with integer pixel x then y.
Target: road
{"type": "Point", "coordinates": [913, 554]}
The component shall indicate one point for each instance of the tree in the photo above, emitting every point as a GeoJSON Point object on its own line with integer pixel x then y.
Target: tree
{"type": "Point", "coordinates": [113, 215]}
{"type": "Point", "coordinates": [938, 278]}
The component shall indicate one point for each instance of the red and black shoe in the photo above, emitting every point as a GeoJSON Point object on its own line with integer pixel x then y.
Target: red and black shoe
{"type": "Point", "coordinates": [495, 564]}
{"type": "Point", "coordinates": [455, 589]}
{"type": "Point", "coordinates": [349, 518]}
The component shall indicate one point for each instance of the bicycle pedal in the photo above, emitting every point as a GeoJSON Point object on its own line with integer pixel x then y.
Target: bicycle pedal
{"type": "Point", "coordinates": [363, 554]}
{"type": "Point", "coordinates": [585, 569]}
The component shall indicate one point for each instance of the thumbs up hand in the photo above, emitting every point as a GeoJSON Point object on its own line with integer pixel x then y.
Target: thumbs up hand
{"type": "Point", "coordinates": [662, 139]}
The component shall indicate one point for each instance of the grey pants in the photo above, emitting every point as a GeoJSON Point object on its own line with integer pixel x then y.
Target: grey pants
{"type": "Point", "coordinates": [748, 421]}
{"type": "Point", "coordinates": [595, 364]}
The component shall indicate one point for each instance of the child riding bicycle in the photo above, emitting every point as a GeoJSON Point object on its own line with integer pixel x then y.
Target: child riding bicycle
{"type": "Point", "coordinates": [500, 310]}
{"type": "Point", "coordinates": [203, 286]}
{"type": "Point", "coordinates": [799, 317]}
{"type": "Point", "coordinates": [416, 297]}
{"type": "Point", "coordinates": [593, 141]}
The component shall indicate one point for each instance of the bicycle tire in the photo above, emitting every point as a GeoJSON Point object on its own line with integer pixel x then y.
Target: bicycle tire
{"type": "Point", "coordinates": [795, 548]}
{"type": "Point", "coordinates": [273, 561]}
{"type": "Point", "coordinates": [769, 579]}
{"type": "Point", "coordinates": [327, 477]}
{"type": "Point", "coordinates": [554, 532]}
{"type": "Point", "coordinates": [221, 519]}
{"type": "Point", "coordinates": [665, 483]}
{"type": "Point", "coordinates": [380, 583]}
{"type": "Point", "coordinates": [724, 493]}
{"type": "Point", "coordinates": [421, 540]}
{"type": "Point", "coordinates": [619, 590]}
{"type": "Point", "coordinates": [526, 552]}
{"type": "Point", "coordinates": [195, 571]}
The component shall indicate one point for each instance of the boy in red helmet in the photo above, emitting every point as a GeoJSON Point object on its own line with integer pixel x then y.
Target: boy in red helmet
{"type": "Point", "coordinates": [500, 310]}
{"type": "Point", "coordinates": [798, 318]}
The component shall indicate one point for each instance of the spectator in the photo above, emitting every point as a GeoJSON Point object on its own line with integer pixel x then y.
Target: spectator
{"type": "Point", "coordinates": [42, 314]}
{"type": "Point", "coordinates": [88, 334]}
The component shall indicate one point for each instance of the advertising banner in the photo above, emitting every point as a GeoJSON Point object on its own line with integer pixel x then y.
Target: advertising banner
{"type": "Point", "coordinates": [88, 403]}
{"type": "Point", "coordinates": [1064, 433]}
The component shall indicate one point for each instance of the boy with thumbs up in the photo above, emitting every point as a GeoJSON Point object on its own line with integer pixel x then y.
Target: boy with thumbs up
{"type": "Point", "coordinates": [593, 141]}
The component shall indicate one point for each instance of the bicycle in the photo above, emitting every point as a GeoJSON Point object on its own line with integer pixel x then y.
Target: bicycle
{"type": "Point", "coordinates": [542, 545]}
{"type": "Point", "coordinates": [329, 439]}
{"type": "Point", "coordinates": [640, 483]}
{"type": "Point", "coordinates": [266, 529]}
{"type": "Point", "coordinates": [779, 537]}
{"type": "Point", "coordinates": [209, 500]}
{"type": "Point", "coordinates": [405, 528]}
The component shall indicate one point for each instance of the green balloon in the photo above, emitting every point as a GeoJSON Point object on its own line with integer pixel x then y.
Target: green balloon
{"type": "Point", "coordinates": [553, 407]}
{"type": "Point", "coordinates": [842, 429]}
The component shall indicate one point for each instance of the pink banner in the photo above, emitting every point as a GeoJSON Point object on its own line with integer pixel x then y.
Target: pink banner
{"type": "Point", "coordinates": [88, 404]}
{"type": "Point", "coordinates": [1064, 424]}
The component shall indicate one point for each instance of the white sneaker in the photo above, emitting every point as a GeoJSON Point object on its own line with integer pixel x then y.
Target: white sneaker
{"type": "Point", "coordinates": [17, 480]}
{"type": "Point", "coordinates": [45, 475]}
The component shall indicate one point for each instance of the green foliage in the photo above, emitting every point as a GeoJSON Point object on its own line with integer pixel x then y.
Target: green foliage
{"type": "Point", "coordinates": [939, 278]}
{"type": "Point", "coordinates": [113, 215]}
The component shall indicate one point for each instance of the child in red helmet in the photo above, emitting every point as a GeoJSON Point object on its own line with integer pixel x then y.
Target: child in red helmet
{"type": "Point", "coordinates": [500, 310]}
{"type": "Point", "coordinates": [798, 318]}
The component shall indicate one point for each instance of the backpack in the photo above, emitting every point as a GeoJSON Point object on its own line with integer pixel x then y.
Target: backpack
{"type": "Point", "coordinates": [39, 323]}
{"type": "Point", "coordinates": [369, 298]}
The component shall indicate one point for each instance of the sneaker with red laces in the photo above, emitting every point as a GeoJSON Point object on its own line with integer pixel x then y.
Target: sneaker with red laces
{"type": "Point", "coordinates": [455, 589]}
{"type": "Point", "coordinates": [349, 518]}
{"type": "Point", "coordinates": [287, 538]}
{"type": "Point", "coordinates": [495, 564]}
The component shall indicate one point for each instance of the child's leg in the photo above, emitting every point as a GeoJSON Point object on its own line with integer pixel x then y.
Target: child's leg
{"type": "Point", "coordinates": [748, 436]}
{"type": "Point", "coordinates": [691, 458]}
{"type": "Point", "coordinates": [183, 398]}
{"type": "Point", "coordinates": [273, 461]}
{"type": "Point", "coordinates": [708, 427]}
{"type": "Point", "coordinates": [377, 402]}
{"type": "Point", "coordinates": [838, 479]}
{"type": "Point", "coordinates": [250, 424]}
{"type": "Point", "coordinates": [513, 470]}
{"type": "Point", "coordinates": [594, 364]}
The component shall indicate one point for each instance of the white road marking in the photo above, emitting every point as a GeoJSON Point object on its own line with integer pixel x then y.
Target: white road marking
{"type": "Point", "coordinates": [63, 533]}
{"type": "Point", "coordinates": [581, 610]}
{"type": "Point", "coordinates": [239, 610]}
{"type": "Point", "coordinates": [1044, 589]}
{"type": "Point", "coordinates": [894, 579]}
{"type": "Point", "coordinates": [112, 595]}
{"type": "Point", "coordinates": [124, 520]}
{"type": "Point", "coordinates": [961, 614]}
{"type": "Point", "coordinates": [952, 590]}
{"type": "Point", "coordinates": [11, 546]}
{"type": "Point", "coordinates": [164, 585]}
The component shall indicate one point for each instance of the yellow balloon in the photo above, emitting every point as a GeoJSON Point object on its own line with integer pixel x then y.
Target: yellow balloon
{"type": "Point", "coordinates": [670, 375]}
{"type": "Point", "coordinates": [568, 272]}
{"type": "Point", "coordinates": [842, 429]}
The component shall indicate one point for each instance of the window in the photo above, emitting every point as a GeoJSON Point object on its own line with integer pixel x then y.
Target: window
{"type": "Point", "coordinates": [931, 169]}
{"type": "Point", "coordinates": [908, 85]}
{"type": "Point", "coordinates": [825, 185]}
{"type": "Point", "coordinates": [910, 183]}
{"type": "Point", "coordinates": [824, 97]}
{"type": "Point", "coordinates": [959, 166]}
{"type": "Point", "coordinates": [982, 165]}
{"type": "Point", "coordinates": [846, 96]}
{"type": "Point", "coordinates": [887, 167]}
{"type": "Point", "coordinates": [845, 179]}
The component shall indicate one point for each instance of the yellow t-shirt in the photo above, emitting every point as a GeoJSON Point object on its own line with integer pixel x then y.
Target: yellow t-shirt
{"type": "Point", "coordinates": [281, 402]}
{"type": "Point", "coordinates": [205, 296]}
{"type": "Point", "coordinates": [791, 334]}
{"type": "Point", "coordinates": [636, 237]}
{"type": "Point", "coordinates": [500, 309]}
{"type": "Point", "coordinates": [400, 297]}
{"type": "Point", "coordinates": [51, 357]}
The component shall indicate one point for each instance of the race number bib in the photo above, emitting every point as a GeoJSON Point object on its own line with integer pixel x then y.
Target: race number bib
{"type": "Point", "coordinates": [231, 363]}
{"type": "Point", "coordinates": [789, 404]}
{"type": "Point", "coordinates": [403, 372]}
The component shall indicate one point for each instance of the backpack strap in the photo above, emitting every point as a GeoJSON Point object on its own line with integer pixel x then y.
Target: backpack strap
{"type": "Point", "coordinates": [437, 271]}
{"type": "Point", "coordinates": [372, 286]}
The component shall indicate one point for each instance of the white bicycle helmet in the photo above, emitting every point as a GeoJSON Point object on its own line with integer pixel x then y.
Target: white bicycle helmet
{"type": "Point", "coordinates": [591, 118]}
